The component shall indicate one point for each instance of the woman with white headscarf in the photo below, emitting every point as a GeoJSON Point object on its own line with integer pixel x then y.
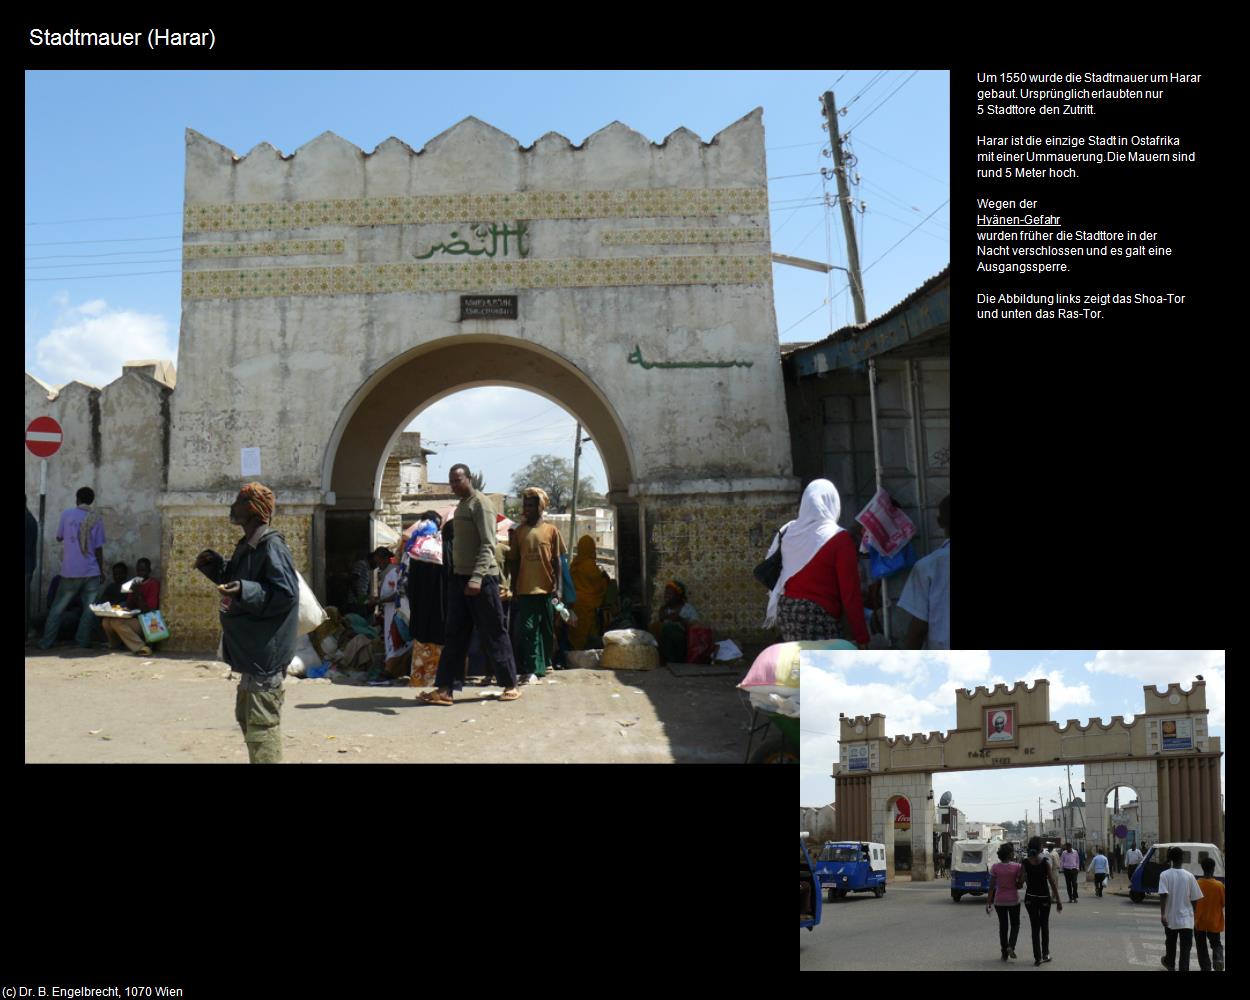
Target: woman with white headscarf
{"type": "Point", "coordinates": [819, 580]}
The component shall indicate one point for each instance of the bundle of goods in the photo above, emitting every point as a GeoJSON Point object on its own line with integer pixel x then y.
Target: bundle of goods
{"type": "Point", "coordinates": [773, 680]}
{"type": "Point", "coordinates": [629, 649]}
{"type": "Point", "coordinates": [584, 659]}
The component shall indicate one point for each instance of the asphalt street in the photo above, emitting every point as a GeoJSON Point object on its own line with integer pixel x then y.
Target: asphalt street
{"type": "Point", "coordinates": [918, 926]}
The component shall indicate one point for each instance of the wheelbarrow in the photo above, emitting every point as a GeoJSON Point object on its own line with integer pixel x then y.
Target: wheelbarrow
{"type": "Point", "coordinates": [781, 746]}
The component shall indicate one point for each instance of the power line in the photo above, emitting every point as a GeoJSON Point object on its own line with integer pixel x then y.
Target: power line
{"type": "Point", "coordinates": [783, 177]}
{"type": "Point", "coordinates": [912, 230]}
{"type": "Point", "coordinates": [111, 253]}
{"type": "Point", "coordinates": [907, 222]}
{"type": "Point", "coordinates": [128, 239]}
{"type": "Point", "coordinates": [940, 180]}
{"type": "Point", "coordinates": [109, 218]}
{"type": "Point", "coordinates": [871, 83]}
{"type": "Point", "coordinates": [83, 277]}
{"type": "Point", "coordinates": [103, 263]}
{"type": "Point", "coordinates": [870, 113]}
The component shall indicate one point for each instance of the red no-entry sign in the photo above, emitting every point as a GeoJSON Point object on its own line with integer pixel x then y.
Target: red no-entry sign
{"type": "Point", "coordinates": [43, 437]}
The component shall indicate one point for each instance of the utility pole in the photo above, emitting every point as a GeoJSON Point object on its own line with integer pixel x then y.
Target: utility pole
{"type": "Point", "coordinates": [861, 314]}
{"type": "Point", "coordinates": [844, 201]}
{"type": "Point", "coordinates": [577, 454]}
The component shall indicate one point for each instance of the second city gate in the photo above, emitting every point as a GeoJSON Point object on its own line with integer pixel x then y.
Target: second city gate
{"type": "Point", "coordinates": [1165, 753]}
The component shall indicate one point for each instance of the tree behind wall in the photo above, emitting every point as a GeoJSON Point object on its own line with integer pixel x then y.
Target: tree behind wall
{"type": "Point", "coordinates": [554, 476]}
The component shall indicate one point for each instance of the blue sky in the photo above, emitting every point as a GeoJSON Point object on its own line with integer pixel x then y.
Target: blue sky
{"type": "Point", "coordinates": [104, 187]}
{"type": "Point", "coordinates": [915, 692]}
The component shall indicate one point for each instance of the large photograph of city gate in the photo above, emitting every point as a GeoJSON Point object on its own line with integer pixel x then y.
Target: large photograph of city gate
{"type": "Point", "coordinates": [1165, 754]}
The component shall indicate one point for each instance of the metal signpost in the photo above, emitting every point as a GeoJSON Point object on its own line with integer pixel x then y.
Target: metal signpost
{"type": "Point", "coordinates": [43, 440]}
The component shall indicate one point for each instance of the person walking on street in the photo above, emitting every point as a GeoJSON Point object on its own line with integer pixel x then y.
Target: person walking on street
{"type": "Point", "coordinates": [259, 619]}
{"type": "Point", "coordinates": [1178, 891]}
{"type": "Point", "coordinates": [1117, 861]}
{"type": "Point", "coordinates": [1006, 879]}
{"type": "Point", "coordinates": [1132, 860]}
{"type": "Point", "coordinates": [1101, 868]}
{"type": "Point", "coordinates": [1070, 865]}
{"type": "Point", "coordinates": [473, 596]}
{"type": "Point", "coordinates": [1040, 888]}
{"type": "Point", "coordinates": [82, 568]}
{"type": "Point", "coordinates": [1209, 918]}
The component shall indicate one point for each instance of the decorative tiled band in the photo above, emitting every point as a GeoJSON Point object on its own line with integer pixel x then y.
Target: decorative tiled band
{"type": "Point", "coordinates": [271, 248]}
{"type": "Point", "coordinates": [476, 277]}
{"type": "Point", "coordinates": [647, 203]}
{"type": "Point", "coordinates": [745, 234]}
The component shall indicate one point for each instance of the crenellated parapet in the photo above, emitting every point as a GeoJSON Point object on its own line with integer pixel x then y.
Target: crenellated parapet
{"type": "Point", "coordinates": [1031, 702]}
{"type": "Point", "coordinates": [1175, 699]}
{"type": "Point", "coordinates": [862, 727]}
{"type": "Point", "coordinates": [919, 739]}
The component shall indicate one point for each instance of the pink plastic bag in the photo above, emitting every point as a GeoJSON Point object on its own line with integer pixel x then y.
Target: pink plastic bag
{"type": "Point", "coordinates": [887, 526]}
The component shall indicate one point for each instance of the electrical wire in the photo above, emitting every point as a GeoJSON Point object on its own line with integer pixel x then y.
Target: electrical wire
{"type": "Point", "coordinates": [110, 218]}
{"type": "Point", "coordinates": [912, 230]}
{"type": "Point", "coordinates": [878, 149]}
{"type": "Point", "coordinates": [103, 263]}
{"type": "Point", "coordinates": [128, 239]}
{"type": "Point", "coordinates": [907, 222]}
{"type": "Point", "coordinates": [874, 110]}
{"type": "Point", "coordinates": [84, 277]}
{"type": "Point", "coordinates": [111, 253]}
{"type": "Point", "coordinates": [871, 83]}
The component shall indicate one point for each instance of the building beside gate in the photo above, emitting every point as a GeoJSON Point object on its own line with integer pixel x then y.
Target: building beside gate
{"type": "Point", "coordinates": [1165, 754]}
{"type": "Point", "coordinates": [828, 402]}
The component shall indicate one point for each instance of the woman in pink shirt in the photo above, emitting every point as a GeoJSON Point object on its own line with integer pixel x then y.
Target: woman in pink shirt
{"type": "Point", "coordinates": [1006, 879]}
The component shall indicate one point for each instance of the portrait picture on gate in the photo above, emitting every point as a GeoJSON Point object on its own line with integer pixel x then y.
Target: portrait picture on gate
{"type": "Point", "coordinates": [1000, 725]}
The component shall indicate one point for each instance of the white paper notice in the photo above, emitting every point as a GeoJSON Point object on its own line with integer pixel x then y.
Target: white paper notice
{"type": "Point", "coordinates": [251, 461]}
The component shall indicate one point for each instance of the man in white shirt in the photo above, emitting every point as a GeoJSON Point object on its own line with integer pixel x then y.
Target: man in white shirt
{"type": "Point", "coordinates": [1178, 891]}
{"type": "Point", "coordinates": [1132, 860]}
{"type": "Point", "coordinates": [927, 597]}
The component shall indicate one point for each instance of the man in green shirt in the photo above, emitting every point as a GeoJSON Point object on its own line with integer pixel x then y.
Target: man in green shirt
{"type": "Point", "coordinates": [473, 595]}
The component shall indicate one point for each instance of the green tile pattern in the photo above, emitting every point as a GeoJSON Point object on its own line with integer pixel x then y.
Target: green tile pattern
{"type": "Point", "coordinates": [478, 276]}
{"type": "Point", "coordinates": [269, 248]}
{"type": "Point", "coordinates": [623, 204]}
{"type": "Point", "coordinates": [628, 237]}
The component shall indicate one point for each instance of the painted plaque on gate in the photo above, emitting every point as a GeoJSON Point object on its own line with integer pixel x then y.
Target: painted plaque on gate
{"type": "Point", "coordinates": [488, 307]}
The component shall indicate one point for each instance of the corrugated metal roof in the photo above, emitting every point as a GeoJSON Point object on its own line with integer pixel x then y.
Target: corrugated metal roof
{"type": "Point", "coordinates": [855, 329]}
{"type": "Point", "coordinates": [920, 316]}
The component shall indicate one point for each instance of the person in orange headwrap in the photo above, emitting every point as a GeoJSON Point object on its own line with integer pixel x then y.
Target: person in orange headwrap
{"type": "Point", "coordinates": [591, 585]}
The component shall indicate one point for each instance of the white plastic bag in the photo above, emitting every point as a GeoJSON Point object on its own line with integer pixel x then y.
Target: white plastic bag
{"type": "Point", "coordinates": [311, 613]}
{"type": "Point", "coordinates": [305, 657]}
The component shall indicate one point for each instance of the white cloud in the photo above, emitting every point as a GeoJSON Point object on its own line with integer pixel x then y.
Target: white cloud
{"type": "Point", "coordinates": [1162, 667]}
{"type": "Point", "coordinates": [89, 342]}
{"type": "Point", "coordinates": [1063, 695]}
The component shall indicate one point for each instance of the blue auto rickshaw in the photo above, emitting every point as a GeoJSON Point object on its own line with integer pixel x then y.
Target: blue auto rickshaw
{"type": "Point", "coordinates": [846, 866]}
{"type": "Point", "coordinates": [809, 890]}
{"type": "Point", "coordinates": [970, 869]}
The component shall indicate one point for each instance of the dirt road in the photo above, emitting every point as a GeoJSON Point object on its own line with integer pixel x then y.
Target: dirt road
{"type": "Point", "coordinates": [96, 707]}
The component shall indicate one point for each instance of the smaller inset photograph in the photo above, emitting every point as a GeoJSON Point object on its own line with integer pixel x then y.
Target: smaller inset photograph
{"type": "Point", "coordinates": [940, 788]}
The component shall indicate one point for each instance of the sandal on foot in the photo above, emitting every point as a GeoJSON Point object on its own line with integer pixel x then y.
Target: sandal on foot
{"type": "Point", "coordinates": [511, 695]}
{"type": "Point", "coordinates": [435, 698]}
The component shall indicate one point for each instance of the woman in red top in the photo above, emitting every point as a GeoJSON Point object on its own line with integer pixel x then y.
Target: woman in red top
{"type": "Point", "coordinates": [819, 580]}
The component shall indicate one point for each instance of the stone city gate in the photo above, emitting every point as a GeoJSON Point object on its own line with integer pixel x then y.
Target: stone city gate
{"type": "Point", "coordinates": [1165, 754]}
{"type": "Point", "coordinates": [331, 294]}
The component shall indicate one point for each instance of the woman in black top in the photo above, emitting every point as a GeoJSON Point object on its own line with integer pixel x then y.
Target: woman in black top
{"type": "Point", "coordinates": [1040, 889]}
